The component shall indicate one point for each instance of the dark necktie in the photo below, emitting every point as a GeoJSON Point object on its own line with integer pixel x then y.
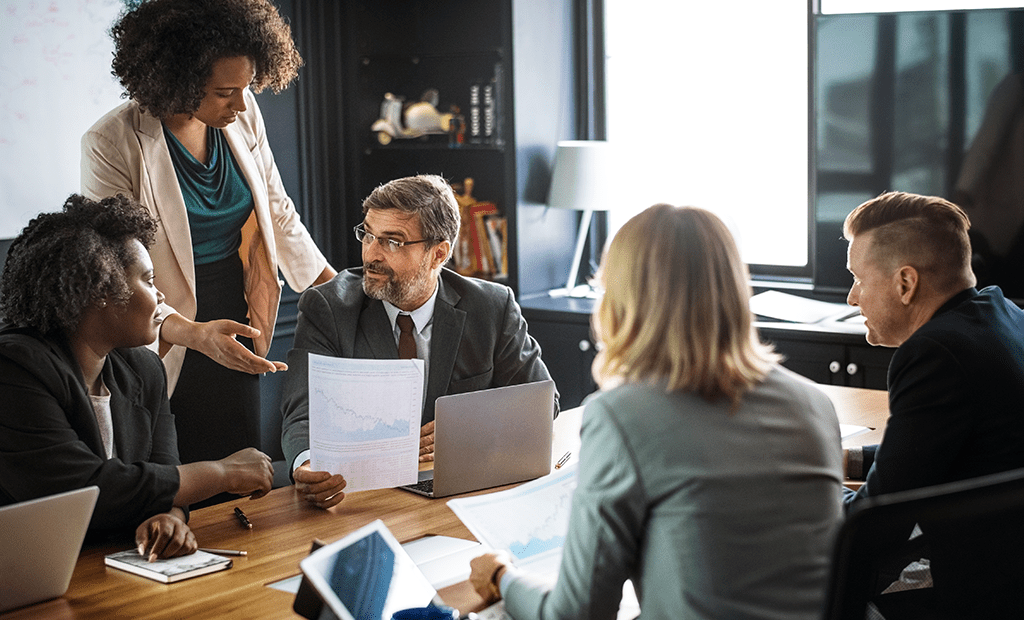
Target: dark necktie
{"type": "Point", "coordinates": [406, 342]}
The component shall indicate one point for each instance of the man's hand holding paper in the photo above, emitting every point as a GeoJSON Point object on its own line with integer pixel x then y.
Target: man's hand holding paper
{"type": "Point", "coordinates": [427, 442]}
{"type": "Point", "coordinates": [364, 425]}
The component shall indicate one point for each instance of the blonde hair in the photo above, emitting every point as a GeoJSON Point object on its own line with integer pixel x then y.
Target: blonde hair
{"type": "Point", "coordinates": [927, 232]}
{"type": "Point", "coordinates": [676, 307]}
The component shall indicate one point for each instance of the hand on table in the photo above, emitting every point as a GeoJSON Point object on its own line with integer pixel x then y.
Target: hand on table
{"type": "Point", "coordinates": [320, 488]}
{"type": "Point", "coordinates": [164, 536]}
{"type": "Point", "coordinates": [485, 575]}
{"type": "Point", "coordinates": [248, 472]}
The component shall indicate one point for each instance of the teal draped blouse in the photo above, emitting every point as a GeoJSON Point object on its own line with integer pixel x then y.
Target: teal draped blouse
{"type": "Point", "coordinates": [217, 198]}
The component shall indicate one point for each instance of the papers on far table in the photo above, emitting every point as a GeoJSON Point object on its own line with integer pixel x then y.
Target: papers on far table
{"type": "Point", "coordinates": [849, 430]}
{"type": "Point", "coordinates": [364, 420]}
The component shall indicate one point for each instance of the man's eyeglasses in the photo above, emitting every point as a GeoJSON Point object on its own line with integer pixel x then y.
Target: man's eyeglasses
{"type": "Point", "coordinates": [389, 244]}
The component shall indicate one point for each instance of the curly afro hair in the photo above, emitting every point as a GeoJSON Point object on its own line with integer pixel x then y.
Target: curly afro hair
{"type": "Point", "coordinates": [164, 50]}
{"type": "Point", "coordinates": [62, 262]}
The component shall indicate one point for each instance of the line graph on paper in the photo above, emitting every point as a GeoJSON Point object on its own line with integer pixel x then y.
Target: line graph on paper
{"type": "Point", "coordinates": [529, 521]}
{"type": "Point", "coordinates": [376, 423]}
{"type": "Point", "coordinates": [364, 420]}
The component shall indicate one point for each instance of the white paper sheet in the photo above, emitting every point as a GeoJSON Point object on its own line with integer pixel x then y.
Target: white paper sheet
{"type": "Point", "coordinates": [849, 430]}
{"type": "Point", "coordinates": [364, 420]}
{"type": "Point", "coordinates": [442, 559]}
{"type": "Point", "coordinates": [530, 521]}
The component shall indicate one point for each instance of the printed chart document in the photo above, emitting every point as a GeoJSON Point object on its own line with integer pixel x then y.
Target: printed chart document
{"type": "Point", "coordinates": [364, 420]}
{"type": "Point", "coordinates": [529, 521]}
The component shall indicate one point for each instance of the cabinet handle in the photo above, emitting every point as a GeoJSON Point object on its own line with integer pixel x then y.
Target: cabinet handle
{"type": "Point", "coordinates": [834, 367]}
{"type": "Point", "coordinates": [851, 369]}
{"type": "Point", "coordinates": [584, 345]}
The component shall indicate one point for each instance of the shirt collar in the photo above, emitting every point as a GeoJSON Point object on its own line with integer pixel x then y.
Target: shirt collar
{"type": "Point", "coordinates": [420, 316]}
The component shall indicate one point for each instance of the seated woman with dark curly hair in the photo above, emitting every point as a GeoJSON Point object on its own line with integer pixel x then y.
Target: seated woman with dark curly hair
{"type": "Point", "coordinates": [86, 401]}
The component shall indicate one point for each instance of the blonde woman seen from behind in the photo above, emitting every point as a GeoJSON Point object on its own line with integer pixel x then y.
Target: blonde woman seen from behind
{"type": "Point", "coordinates": [709, 475]}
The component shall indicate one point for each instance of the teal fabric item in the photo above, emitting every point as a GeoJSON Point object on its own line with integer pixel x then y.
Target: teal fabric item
{"type": "Point", "coordinates": [217, 197]}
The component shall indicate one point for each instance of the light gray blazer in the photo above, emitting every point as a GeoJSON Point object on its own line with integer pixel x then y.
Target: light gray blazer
{"type": "Point", "coordinates": [711, 513]}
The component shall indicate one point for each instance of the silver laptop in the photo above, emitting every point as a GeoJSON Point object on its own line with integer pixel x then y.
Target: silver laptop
{"type": "Point", "coordinates": [40, 545]}
{"type": "Point", "coordinates": [489, 438]}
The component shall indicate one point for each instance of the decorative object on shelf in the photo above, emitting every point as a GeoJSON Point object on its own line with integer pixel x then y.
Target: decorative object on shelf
{"type": "Point", "coordinates": [474, 114]}
{"type": "Point", "coordinates": [482, 248]}
{"type": "Point", "coordinates": [399, 119]}
{"type": "Point", "coordinates": [579, 181]}
{"type": "Point", "coordinates": [484, 122]}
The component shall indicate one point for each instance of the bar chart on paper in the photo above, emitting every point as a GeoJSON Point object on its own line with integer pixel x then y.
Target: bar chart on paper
{"type": "Point", "coordinates": [529, 521]}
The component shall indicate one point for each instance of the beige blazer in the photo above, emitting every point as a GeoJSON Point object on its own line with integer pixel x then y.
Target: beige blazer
{"type": "Point", "coordinates": [125, 152]}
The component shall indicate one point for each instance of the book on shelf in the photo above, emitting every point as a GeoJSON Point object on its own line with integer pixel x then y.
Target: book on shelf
{"type": "Point", "coordinates": [497, 230]}
{"type": "Point", "coordinates": [168, 570]}
{"type": "Point", "coordinates": [482, 258]}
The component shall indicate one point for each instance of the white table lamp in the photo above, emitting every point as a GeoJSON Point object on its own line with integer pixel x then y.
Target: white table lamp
{"type": "Point", "coordinates": [581, 181]}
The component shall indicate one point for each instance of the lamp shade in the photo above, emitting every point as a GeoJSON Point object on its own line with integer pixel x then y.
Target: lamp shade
{"type": "Point", "coordinates": [582, 176]}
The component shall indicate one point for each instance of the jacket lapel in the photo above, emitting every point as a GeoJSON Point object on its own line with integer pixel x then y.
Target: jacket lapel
{"type": "Point", "coordinates": [377, 331]}
{"type": "Point", "coordinates": [246, 158]}
{"type": "Point", "coordinates": [445, 337]}
{"type": "Point", "coordinates": [165, 194]}
{"type": "Point", "coordinates": [125, 395]}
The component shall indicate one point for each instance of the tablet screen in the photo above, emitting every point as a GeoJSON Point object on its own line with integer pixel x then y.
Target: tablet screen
{"type": "Point", "coordinates": [367, 574]}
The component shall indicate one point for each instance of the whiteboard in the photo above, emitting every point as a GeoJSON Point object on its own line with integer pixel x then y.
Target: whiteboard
{"type": "Point", "coordinates": [55, 82]}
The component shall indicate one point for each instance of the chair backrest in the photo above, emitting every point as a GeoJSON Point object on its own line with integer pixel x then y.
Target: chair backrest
{"type": "Point", "coordinates": [975, 534]}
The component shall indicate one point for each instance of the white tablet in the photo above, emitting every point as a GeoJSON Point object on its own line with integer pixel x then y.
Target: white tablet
{"type": "Point", "coordinates": [367, 575]}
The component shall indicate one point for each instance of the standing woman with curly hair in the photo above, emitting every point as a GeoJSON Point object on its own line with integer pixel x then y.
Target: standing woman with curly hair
{"type": "Point", "coordinates": [191, 146]}
{"type": "Point", "coordinates": [86, 401]}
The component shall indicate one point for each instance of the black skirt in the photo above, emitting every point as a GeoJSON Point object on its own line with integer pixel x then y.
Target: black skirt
{"type": "Point", "coordinates": [216, 410]}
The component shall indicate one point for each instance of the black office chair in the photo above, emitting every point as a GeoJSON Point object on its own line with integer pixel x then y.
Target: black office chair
{"type": "Point", "coordinates": [974, 533]}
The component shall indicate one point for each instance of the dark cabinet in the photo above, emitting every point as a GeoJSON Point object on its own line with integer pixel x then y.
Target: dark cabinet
{"type": "Point", "coordinates": [824, 354]}
{"type": "Point", "coordinates": [562, 328]}
{"type": "Point", "coordinates": [828, 356]}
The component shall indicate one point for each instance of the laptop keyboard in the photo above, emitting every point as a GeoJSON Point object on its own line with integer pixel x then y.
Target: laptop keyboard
{"type": "Point", "coordinates": [426, 486]}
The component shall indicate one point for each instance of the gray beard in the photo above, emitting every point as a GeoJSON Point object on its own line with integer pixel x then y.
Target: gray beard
{"type": "Point", "coordinates": [400, 293]}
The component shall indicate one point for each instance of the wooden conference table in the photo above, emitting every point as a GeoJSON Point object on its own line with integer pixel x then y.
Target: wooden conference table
{"type": "Point", "coordinates": [284, 526]}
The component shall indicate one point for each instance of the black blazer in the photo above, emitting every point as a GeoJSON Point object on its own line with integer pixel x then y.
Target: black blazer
{"type": "Point", "coordinates": [478, 341]}
{"type": "Point", "coordinates": [956, 397]}
{"type": "Point", "coordinates": [50, 441]}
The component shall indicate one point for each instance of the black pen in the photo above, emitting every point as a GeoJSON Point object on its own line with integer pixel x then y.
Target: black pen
{"type": "Point", "coordinates": [244, 520]}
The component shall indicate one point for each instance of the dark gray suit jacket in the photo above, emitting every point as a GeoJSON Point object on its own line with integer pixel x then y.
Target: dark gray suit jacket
{"type": "Point", "coordinates": [50, 441]}
{"type": "Point", "coordinates": [478, 341]}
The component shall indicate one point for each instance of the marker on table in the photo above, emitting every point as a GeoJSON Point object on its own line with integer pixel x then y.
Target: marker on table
{"type": "Point", "coordinates": [244, 520]}
{"type": "Point", "coordinates": [224, 551]}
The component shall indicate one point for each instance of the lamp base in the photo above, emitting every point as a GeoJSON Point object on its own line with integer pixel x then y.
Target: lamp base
{"type": "Point", "coordinates": [581, 291]}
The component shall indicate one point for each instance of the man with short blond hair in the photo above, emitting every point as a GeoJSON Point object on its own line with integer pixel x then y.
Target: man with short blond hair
{"type": "Point", "coordinates": [956, 380]}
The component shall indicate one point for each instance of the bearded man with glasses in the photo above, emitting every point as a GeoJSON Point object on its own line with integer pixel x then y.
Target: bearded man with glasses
{"type": "Point", "coordinates": [469, 333]}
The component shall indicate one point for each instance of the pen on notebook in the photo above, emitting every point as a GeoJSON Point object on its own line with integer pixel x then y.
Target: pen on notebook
{"type": "Point", "coordinates": [244, 520]}
{"type": "Point", "coordinates": [224, 551]}
{"type": "Point", "coordinates": [563, 460]}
